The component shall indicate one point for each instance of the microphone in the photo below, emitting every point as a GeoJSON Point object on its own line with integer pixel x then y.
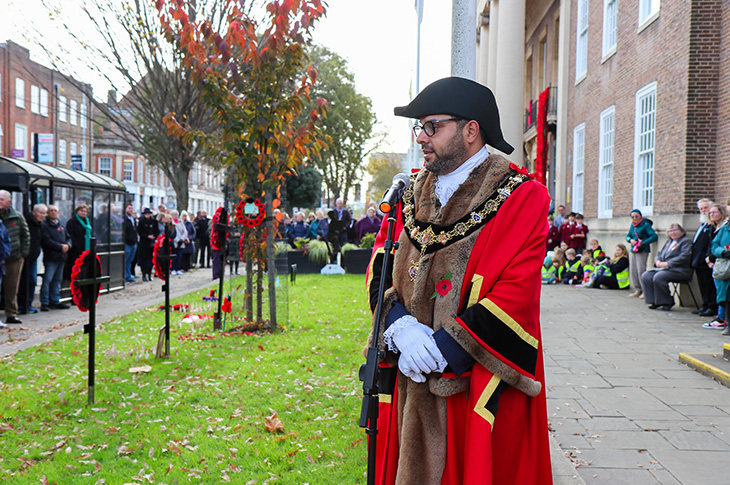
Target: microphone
{"type": "Point", "coordinates": [395, 192]}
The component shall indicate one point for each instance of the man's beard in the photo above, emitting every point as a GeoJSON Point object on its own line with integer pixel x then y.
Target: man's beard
{"type": "Point", "coordinates": [450, 158]}
{"type": "Point", "coordinates": [704, 219]}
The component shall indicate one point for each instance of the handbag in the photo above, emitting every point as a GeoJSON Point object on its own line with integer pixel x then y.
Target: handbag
{"type": "Point", "coordinates": [636, 246]}
{"type": "Point", "coordinates": [721, 269]}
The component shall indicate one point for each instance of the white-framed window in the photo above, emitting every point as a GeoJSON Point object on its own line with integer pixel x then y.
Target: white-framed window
{"type": "Point", "coordinates": [154, 176]}
{"type": "Point", "coordinates": [73, 112]}
{"type": "Point", "coordinates": [74, 149]}
{"type": "Point", "coordinates": [645, 127]}
{"type": "Point", "coordinates": [62, 152]}
{"type": "Point", "coordinates": [610, 29]}
{"type": "Point", "coordinates": [581, 44]}
{"type": "Point", "coordinates": [648, 10]}
{"type": "Point", "coordinates": [579, 138]}
{"type": "Point", "coordinates": [105, 166]}
{"type": "Point", "coordinates": [44, 102]}
{"type": "Point", "coordinates": [148, 175]}
{"type": "Point", "coordinates": [62, 107]}
{"type": "Point", "coordinates": [128, 169]}
{"type": "Point", "coordinates": [1, 138]}
{"type": "Point", "coordinates": [19, 93]}
{"type": "Point", "coordinates": [140, 171]}
{"type": "Point", "coordinates": [84, 113]}
{"type": "Point", "coordinates": [35, 99]}
{"type": "Point", "coordinates": [21, 140]}
{"type": "Point", "coordinates": [605, 163]}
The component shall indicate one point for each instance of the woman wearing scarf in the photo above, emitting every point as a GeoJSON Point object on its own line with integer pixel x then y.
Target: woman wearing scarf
{"type": "Point", "coordinates": [189, 248]}
{"type": "Point", "coordinates": [181, 233]}
{"type": "Point", "coordinates": [80, 231]}
{"type": "Point", "coordinates": [640, 237]}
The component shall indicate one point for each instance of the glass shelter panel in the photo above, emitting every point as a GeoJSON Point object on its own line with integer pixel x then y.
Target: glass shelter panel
{"type": "Point", "coordinates": [117, 218]}
{"type": "Point", "coordinates": [101, 217]}
{"type": "Point", "coordinates": [63, 199]}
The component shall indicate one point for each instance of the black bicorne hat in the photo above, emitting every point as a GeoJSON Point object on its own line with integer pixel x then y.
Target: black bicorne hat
{"type": "Point", "coordinates": [464, 98]}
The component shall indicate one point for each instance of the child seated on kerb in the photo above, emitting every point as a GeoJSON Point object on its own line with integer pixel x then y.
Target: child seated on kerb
{"type": "Point", "coordinates": [586, 270]}
{"type": "Point", "coordinates": [549, 272]}
{"type": "Point", "coordinates": [572, 266]}
{"type": "Point", "coordinates": [559, 263]}
{"type": "Point", "coordinates": [595, 249]}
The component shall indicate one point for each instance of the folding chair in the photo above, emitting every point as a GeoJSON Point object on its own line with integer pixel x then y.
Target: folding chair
{"type": "Point", "coordinates": [674, 286]}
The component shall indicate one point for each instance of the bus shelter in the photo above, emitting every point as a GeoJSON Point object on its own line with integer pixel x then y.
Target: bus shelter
{"type": "Point", "coordinates": [32, 183]}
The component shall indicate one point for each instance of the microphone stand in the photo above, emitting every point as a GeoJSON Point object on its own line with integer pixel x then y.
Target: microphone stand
{"type": "Point", "coordinates": [370, 371]}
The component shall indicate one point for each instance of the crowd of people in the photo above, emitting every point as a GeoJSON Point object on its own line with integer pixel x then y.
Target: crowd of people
{"type": "Point", "coordinates": [190, 240]}
{"type": "Point", "coordinates": [341, 219]}
{"type": "Point", "coordinates": [24, 237]}
{"type": "Point", "coordinates": [677, 261]}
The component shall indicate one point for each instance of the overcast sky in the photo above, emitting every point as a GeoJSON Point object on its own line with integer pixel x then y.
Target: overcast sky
{"type": "Point", "coordinates": [377, 38]}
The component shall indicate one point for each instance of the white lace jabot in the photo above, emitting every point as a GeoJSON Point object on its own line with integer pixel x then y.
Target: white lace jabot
{"type": "Point", "coordinates": [447, 184]}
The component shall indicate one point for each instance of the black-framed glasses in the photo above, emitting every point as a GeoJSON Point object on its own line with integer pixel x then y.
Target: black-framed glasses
{"type": "Point", "coordinates": [430, 126]}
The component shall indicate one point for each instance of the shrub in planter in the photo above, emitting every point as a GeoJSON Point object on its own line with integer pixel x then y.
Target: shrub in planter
{"type": "Point", "coordinates": [319, 252]}
{"type": "Point", "coordinates": [368, 241]}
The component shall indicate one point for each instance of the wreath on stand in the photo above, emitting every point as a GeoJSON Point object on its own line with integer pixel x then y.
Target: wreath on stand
{"type": "Point", "coordinates": [82, 269]}
{"type": "Point", "coordinates": [156, 263]}
{"type": "Point", "coordinates": [215, 241]}
{"type": "Point", "coordinates": [250, 212]}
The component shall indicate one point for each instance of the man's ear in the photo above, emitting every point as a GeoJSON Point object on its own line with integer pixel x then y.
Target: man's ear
{"type": "Point", "coordinates": [472, 132]}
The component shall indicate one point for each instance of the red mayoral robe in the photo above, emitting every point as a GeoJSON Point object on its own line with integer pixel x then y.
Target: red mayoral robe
{"type": "Point", "coordinates": [469, 269]}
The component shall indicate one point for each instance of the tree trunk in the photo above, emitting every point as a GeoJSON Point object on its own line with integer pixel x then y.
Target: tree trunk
{"type": "Point", "coordinates": [271, 258]}
{"type": "Point", "coordinates": [249, 291]}
{"type": "Point", "coordinates": [179, 180]}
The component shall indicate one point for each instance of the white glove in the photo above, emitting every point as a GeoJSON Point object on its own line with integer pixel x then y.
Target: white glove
{"type": "Point", "coordinates": [419, 354]}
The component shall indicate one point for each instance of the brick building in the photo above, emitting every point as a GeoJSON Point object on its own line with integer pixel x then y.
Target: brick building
{"type": "Point", "coordinates": [37, 100]}
{"type": "Point", "coordinates": [148, 186]}
{"type": "Point", "coordinates": [635, 114]}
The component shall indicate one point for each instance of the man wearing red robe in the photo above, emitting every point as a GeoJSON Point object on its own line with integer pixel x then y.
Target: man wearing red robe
{"type": "Point", "coordinates": [461, 323]}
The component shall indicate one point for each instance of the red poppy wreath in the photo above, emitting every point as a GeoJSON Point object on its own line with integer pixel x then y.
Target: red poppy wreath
{"type": "Point", "coordinates": [82, 269]}
{"type": "Point", "coordinates": [250, 220]}
{"type": "Point", "coordinates": [156, 263]}
{"type": "Point", "coordinates": [220, 217]}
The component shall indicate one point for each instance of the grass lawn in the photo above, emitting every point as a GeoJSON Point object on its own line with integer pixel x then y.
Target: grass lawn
{"type": "Point", "coordinates": [201, 415]}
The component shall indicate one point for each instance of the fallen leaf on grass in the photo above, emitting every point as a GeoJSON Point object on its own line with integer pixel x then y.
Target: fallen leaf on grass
{"type": "Point", "coordinates": [26, 462]}
{"type": "Point", "coordinates": [144, 368]}
{"type": "Point", "coordinates": [124, 450]}
{"type": "Point", "coordinates": [273, 423]}
{"type": "Point", "coordinates": [44, 480]}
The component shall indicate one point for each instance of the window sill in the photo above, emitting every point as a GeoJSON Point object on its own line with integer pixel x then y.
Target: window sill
{"type": "Point", "coordinates": [608, 54]}
{"type": "Point", "coordinates": [580, 79]}
{"type": "Point", "coordinates": [646, 23]}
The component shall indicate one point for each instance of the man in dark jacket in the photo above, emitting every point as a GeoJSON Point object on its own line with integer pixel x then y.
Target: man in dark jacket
{"type": "Point", "coordinates": [700, 248]}
{"type": "Point", "coordinates": [130, 243]}
{"type": "Point", "coordinates": [19, 247]}
{"type": "Point", "coordinates": [202, 239]}
{"type": "Point", "coordinates": [26, 289]}
{"type": "Point", "coordinates": [56, 243]}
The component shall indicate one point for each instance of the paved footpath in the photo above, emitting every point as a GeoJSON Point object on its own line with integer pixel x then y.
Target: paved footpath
{"type": "Point", "coordinates": [44, 326]}
{"type": "Point", "coordinates": [620, 405]}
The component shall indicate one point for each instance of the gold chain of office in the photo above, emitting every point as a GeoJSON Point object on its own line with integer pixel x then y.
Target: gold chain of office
{"type": "Point", "coordinates": [428, 237]}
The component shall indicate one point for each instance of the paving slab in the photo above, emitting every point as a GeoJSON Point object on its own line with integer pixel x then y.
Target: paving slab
{"type": "Point", "coordinates": [695, 467]}
{"type": "Point", "coordinates": [647, 417]}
